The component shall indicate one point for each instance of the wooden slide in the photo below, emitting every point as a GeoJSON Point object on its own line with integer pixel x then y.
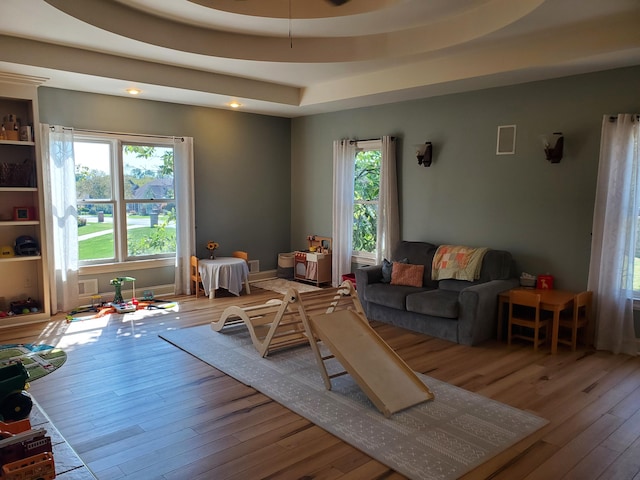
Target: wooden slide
{"type": "Point", "coordinates": [382, 375]}
{"type": "Point", "coordinates": [334, 316]}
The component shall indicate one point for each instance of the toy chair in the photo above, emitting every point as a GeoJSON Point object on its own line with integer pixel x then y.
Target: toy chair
{"type": "Point", "coordinates": [579, 319]}
{"type": "Point", "coordinates": [524, 311]}
{"type": "Point", "coordinates": [196, 281]}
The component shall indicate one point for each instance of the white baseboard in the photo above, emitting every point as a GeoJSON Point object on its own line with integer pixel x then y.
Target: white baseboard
{"type": "Point", "coordinates": [163, 290]}
{"type": "Point", "coordinates": [158, 291]}
{"type": "Point", "coordinates": [266, 275]}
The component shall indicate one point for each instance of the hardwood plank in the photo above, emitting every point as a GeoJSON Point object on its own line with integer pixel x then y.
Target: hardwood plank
{"type": "Point", "coordinates": [137, 407]}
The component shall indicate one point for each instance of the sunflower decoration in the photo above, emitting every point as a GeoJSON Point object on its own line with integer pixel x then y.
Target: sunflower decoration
{"type": "Point", "coordinates": [211, 246]}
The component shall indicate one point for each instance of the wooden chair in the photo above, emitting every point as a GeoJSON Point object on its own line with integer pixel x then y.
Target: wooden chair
{"type": "Point", "coordinates": [579, 318]}
{"type": "Point", "coordinates": [245, 257]}
{"type": "Point", "coordinates": [524, 311]}
{"type": "Point", "coordinates": [196, 280]}
{"type": "Point", "coordinates": [241, 254]}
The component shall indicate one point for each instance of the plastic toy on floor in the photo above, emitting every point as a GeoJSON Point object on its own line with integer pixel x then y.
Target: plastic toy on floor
{"type": "Point", "coordinates": [118, 302]}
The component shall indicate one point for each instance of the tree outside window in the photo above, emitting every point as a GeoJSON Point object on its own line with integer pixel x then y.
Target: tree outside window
{"type": "Point", "coordinates": [125, 200]}
{"type": "Point", "coordinates": [365, 206]}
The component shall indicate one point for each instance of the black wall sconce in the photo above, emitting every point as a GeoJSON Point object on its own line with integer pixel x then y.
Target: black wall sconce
{"type": "Point", "coordinates": [424, 154]}
{"type": "Point", "coordinates": [553, 153]}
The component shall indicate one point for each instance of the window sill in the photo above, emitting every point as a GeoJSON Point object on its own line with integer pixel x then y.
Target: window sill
{"type": "Point", "coordinates": [126, 266]}
{"type": "Point", "coordinates": [363, 259]}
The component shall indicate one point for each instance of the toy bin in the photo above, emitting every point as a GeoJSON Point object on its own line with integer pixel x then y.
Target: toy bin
{"type": "Point", "coordinates": [39, 466]}
{"type": "Point", "coordinates": [351, 277]}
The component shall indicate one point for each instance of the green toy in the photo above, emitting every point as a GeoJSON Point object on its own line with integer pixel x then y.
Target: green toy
{"type": "Point", "coordinates": [117, 283]}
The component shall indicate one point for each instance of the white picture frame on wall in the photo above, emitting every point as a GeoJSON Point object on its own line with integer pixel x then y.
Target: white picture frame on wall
{"type": "Point", "coordinates": [506, 143]}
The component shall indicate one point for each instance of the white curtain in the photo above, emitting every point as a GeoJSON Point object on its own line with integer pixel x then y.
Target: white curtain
{"type": "Point", "coordinates": [185, 201]}
{"type": "Point", "coordinates": [614, 240]}
{"type": "Point", "coordinates": [344, 153]}
{"type": "Point", "coordinates": [388, 217]}
{"type": "Point", "coordinates": [61, 216]}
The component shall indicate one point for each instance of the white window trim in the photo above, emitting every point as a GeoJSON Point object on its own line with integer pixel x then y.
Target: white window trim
{"type": "Point", "coordinates": [361, 257]}
{"type": "Point", "coordinates": [119, 202]}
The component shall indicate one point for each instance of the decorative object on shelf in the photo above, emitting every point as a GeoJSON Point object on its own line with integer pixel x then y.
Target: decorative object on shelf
{"type": "Point", "coordinates": [211, 246]}
{"type": "Point", "coordinates": [11, 126]}
{"type": "Point", "coordinates": [23, 213]}
{"type": "Point", "coordinates": [6, 251]}
{"type": "Point", "coordinates": [424, 154]}
{"type": "Point", "coordinates": [17, 174]}
{"type": "Point", "coordinates": [553, 153]}
{"type": "Point", "coordinates": [26, 245]}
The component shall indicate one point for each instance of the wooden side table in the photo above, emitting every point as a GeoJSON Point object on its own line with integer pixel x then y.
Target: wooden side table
{"type": "Point", "coordinates": [551, 300]}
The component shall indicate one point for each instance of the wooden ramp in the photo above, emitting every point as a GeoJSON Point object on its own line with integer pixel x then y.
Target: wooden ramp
{"type": "Point", "coordinates": [274, 325]}
{"type": "Point", "coordinates": [283, 323]}
{"type": "Point", "coordinates": [383, 376]}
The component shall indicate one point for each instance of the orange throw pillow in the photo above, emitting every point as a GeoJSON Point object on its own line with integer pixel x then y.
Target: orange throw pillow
{"type": "Point", "coordinates": [407, 274]}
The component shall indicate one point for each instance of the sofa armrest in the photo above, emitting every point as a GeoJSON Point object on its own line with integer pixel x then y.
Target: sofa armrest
{"type": "Point", "coordinates": [366, 276]}
{"type": "Point", "coordinates": [478, 319]}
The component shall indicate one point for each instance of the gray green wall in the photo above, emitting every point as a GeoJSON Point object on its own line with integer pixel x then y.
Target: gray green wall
{"type": "Point", "coordinates": [242, 167]}
{"type": "Point", "coordinates": [264, 183]}
{"type": "Point", "coordinates": [540, 212]}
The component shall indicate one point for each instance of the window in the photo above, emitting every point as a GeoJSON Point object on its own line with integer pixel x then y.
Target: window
{"type": "Point", "coordinates": [125, 198]}
{"type": "Point", "coordinates": [365, 199]}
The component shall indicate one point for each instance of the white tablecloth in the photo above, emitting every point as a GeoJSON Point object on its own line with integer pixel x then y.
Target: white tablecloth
{"type": "Point", "coordinates": [223, 272]}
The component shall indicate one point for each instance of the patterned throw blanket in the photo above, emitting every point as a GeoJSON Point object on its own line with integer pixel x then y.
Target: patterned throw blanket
{"type": "Point", "coordinates": [458, 262]}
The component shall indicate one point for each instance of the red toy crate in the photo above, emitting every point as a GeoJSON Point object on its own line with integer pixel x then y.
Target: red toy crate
{"type": "Point", "coordinates": [39, 466]}
{"type": "Point", "coordinates": [351, 277]}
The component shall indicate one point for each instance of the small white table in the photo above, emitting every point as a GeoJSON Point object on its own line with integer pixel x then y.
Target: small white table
{"type": "Point", "coordinates": [224, 272]}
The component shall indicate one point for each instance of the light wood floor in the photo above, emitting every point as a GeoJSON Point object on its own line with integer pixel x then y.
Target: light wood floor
{"type": "Point", "coordinates": [133, 406]}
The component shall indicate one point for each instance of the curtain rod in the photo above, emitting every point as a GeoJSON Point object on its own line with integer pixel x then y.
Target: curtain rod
{"type": "Point", "coordinates": [103, 132]}
{"type": "Point", "coordinates": [614, 118]}
{"type": "Point", "coordinates": [367, 139]}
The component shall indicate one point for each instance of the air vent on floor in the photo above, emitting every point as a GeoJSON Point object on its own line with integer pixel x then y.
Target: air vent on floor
{"type": "Point", "coordinates": [254, 266]}
{"type": "Point", "coordinates": [88, 287]}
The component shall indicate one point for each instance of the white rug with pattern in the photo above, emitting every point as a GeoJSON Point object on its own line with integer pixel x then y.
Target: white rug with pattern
{"type": "Point", "coordinates": [440, 439]}
{"type": "Point", "coordinates": [282, 285]}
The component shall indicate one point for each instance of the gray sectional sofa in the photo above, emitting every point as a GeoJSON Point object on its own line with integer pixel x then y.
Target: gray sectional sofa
{"type": "Point", "coordinates": [461, 311]}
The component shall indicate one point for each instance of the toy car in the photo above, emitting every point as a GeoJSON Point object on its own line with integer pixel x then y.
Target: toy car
{"type": "Point", "coordinates": [15, 402]}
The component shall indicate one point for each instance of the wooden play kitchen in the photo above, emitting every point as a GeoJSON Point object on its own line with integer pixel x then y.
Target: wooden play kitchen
{"type": "Point", "coordinates": [314, 264]}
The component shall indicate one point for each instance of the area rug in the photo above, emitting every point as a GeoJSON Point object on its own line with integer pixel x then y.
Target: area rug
{"type": "Point", "coordinates": [39, 360]}
{"type": "Point", "coordinates": [282, 285]}
{"type": "Point", "coordinates": [440, 439]}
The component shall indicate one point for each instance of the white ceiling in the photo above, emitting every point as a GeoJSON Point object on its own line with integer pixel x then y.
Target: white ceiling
{"type": "Point", "coordinates": [300, 57]}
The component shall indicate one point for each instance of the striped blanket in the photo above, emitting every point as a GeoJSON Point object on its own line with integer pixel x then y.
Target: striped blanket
{"type": "Point", "coordinates": [457, 262]}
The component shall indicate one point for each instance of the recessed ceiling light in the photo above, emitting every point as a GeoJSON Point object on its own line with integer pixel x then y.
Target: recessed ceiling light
{"type": "Point", "coordinates": [234, 104]}
{"type": "Point", "coordinates": [134, 91]}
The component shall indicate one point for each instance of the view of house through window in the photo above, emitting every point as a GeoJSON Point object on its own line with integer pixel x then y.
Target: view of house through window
{"type": "Point", "coordinates": [365, 201]}
{"type": "Point", "coordinates": [125, 200]}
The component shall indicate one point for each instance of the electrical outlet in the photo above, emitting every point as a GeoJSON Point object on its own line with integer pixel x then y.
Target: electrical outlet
{"type": "Point", "coordinates": [27, 282]}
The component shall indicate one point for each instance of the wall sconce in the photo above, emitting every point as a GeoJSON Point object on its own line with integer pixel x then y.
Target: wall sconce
{"type": "Point", "coordinates": [553, 153]}
{"type": "Point", "coordinates": [424, 154]}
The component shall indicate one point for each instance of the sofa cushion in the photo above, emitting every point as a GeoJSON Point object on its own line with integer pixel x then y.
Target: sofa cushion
{"type": "Point", "coordinates": [437, 303]}
{"type": "Point", "coordinates": [387, 268]}
{"type": "Point", "coordinates": [456, 285]}
{"type": "Point", "coordinates": [496, 265]}
{"type": "Point", "coordinates": [407, 274]}
{"type": "Point", "coordinates": [418, 253]}
{"type": "Point", "coordinates": [392, 296]}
